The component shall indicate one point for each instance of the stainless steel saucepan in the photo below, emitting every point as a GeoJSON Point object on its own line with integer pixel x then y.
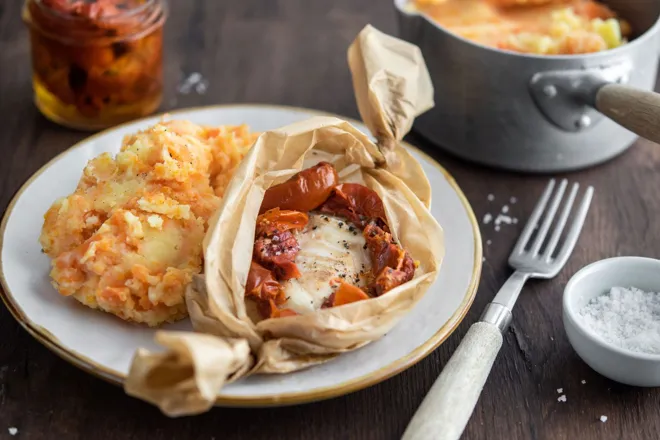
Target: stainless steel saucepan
{"type": "Point", "coordinates": [539, 113]}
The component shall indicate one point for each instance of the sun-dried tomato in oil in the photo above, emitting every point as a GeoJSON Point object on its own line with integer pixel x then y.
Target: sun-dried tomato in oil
{"type": "Point", "coordinates": [96, 63]}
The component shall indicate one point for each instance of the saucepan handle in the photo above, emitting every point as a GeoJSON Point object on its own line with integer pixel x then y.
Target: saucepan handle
{"type": "Point", "coordinates": [637, 110]}
{"type": "Point", "coordinates": [575, 100]}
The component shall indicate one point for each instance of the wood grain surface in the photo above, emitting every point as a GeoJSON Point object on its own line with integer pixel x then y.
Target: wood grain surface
{"type": "Point", "coordinates": [293, 52]}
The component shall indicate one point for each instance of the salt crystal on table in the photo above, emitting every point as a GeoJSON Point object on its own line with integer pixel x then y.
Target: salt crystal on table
{"type": "Point", "coordinates": [497, 228]}
{"type": "Point", "coordinates": [583, 382]}
{"type": "Point", "coordinates": [13, 431]}
{"type": "Point", "coordinates": [561, 398]}
{"type": "Point", "coordinates": [187, 83]}
{"type": "Point", "coordinates": [491, 197]}
{"type": "Point", "coordinates": [196, 80]}
{"type": "Point", "coordinates": [488, 242]}
{"type": "Point", "coordinates": [505, 209]}
{"type": "Point", "coordinates": [487, 218]}
{"type": "Point", "coordinates": [515, 220]}
{"type": "Point", "coordinates": [194, 77]}
{"type": "Point", "coordinates": [627, 318]}
{"type": "Point", "coordinates": [513, 200]}
{"type": "Point", "coordinates": [603, 419]}
{"type": "Point", "coordinates": [560, 390]}
{"type": "Point", "coordinates": [201, 87]}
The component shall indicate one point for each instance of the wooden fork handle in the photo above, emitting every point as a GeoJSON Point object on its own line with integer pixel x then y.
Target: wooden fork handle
{"type": "Point", "coordinates": [449, 404]}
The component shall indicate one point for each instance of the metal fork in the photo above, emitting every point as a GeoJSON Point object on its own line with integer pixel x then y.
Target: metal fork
{"type": "Point", "coordinates": [449, 404]}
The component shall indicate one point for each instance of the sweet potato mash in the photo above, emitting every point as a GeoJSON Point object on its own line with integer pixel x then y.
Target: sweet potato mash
{"type": "Point", "coordinates": [546, 27]}
{"type": "Point", "coordinates": [129, 238]}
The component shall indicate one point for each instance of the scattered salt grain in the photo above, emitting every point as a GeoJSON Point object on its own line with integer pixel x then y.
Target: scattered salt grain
{"type": "Point", "coordinates": [503, 219]}
{"type": "Point", "coordinates": [487, 218]}
{"type": "Point", "coordinates": [491, 197]}
{"type": "Point", "coordinates": [194, 77]}
{"type": "Point", "coordinates": [488, 242]}
{"type": "Point", "coordinates": [583, 381]}
{"type": "Point", "coordinates": [505, 209]}
{"type": "Point", "coordinates": [497, 228]}
{"type": "Point", "coordinates": [603, 419]}
{"type": "Point", "coordinates": [561, 398]}
{"type": "Point", "coordinates": [13, 431]}
{"type": "Point", "coordinates": [626, 317]}
{"type": "Point", "coordinates": [515, 220]}
{"type": "Point", "coordinates": [560, 390]}
{"type": "Point", "coordinates": [513, 200]}
{"type": "Point", "coordinates": [201, 87]}
{"type": "Point", "coordinates": [194, 80]}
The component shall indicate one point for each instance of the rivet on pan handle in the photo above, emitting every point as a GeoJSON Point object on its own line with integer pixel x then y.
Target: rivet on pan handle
{"type": "Point", "coordinates": [567, 97]}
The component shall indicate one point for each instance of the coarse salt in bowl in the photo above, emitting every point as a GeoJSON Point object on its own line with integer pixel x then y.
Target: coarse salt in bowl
{"type": "Point", "coordinates": [605, 333]}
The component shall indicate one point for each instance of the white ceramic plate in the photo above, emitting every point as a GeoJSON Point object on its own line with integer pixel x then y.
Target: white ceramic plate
{"type": "Point", "coordinates": [104, 345]}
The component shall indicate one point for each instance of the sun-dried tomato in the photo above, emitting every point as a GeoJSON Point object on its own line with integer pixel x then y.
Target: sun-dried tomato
{"type": "Point", "coordinates": [278, 252]}
{"type": "Point", "coordinates": [356, 203]}
{"type": "Point", "coordinates": [346, 294]}
{"type": "Point", "coordinates": [305, 191]}
{"type": "Point", "coordinates": [262, 285]}
{"type": "Point", "coordinates": [275, 246]}
{"type": "Point", "coordinates": [390, 263]}
{"type": "Point", "coordinates": [387, 280]}
{"type": "Point", "coordinates": [280, 220]}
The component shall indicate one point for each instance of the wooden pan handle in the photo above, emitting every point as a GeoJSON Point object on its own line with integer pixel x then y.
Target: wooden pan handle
{"type": "Point", "coordinates": [637, 110]}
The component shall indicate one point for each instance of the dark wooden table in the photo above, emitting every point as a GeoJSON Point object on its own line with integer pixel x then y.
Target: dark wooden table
{"type": "Point", "coordinates": [293, 52]}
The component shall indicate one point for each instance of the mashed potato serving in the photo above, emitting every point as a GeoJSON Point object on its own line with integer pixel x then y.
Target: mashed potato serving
{"type": "Point", "coordinates": [544, 27]}
{"type": "Point", "coordinates": [129, 239]}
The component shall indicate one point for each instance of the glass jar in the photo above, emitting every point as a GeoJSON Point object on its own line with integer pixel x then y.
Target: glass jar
{"type": "Point", "coordinates": [96, 63]}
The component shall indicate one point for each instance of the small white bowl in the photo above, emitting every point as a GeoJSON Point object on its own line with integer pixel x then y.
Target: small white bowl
{"type": "Point", "coordinates": [621, 365]}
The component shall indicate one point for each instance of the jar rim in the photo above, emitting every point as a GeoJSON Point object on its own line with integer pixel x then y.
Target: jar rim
{"type": "Point", "coordinates": [125, 14]}
{"type": "Point", "coordinates": [157, 11]}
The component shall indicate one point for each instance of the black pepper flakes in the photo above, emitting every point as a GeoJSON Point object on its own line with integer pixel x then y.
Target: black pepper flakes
{"type": "Point", "coordinates": [365, 246]}
{"type": "Point", "coordinates": [340, 224]}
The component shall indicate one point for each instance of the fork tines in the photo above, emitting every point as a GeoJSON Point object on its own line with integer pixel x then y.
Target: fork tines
{"type": "Point", "coordinates": [542, 218]}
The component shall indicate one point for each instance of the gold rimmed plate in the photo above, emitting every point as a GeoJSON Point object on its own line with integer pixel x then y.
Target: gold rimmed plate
{"type": "Point", "coordinates": [104, 345]}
